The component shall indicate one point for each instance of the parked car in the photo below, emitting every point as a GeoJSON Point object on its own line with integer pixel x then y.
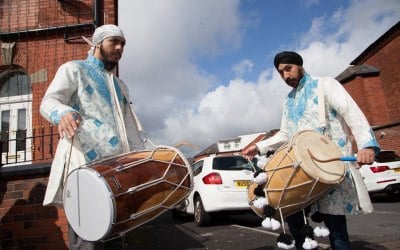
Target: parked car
{"type": "Point", "coordinates": [219, 184]}
{"type": "Point", "coordinates": [383, 176]}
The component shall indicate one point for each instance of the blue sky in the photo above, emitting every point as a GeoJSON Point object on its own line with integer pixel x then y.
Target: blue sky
{"type": "Point", "coordinates": [271, 26]}
{"type": "Point", "coordinates": [201, 70]}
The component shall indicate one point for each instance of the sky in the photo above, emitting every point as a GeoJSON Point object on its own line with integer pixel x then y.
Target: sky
{"type": "Point", "coordinates": [202, 70]}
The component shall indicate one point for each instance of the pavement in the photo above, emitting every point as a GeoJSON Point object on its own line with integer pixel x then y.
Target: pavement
{"type": "Point", "coordinates": [239, 233]}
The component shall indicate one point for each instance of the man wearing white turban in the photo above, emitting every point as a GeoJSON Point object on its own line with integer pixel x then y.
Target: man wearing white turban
{"type": "Point", "coordinates": [92, 109]}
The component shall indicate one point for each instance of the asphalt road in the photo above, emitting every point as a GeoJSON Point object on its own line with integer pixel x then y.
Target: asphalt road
{"type": "Point", "coordinates": [379, 230]}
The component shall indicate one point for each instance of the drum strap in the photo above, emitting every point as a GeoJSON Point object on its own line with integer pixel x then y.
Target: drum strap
{"type": "Point", "coordinates": [321, 107]}
{"type": "Point", "coordinates": [362, 193]}
{"type": "Point", "coordinates": [66, 172]}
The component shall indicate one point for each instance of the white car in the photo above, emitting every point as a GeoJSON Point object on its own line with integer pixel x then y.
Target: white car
{"type": "Point", "coordinates": [383, 176]}
{"type": "Point", "coordinates": [219, 184]}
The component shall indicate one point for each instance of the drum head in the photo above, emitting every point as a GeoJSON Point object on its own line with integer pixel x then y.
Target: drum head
{"type": "Point", "coordinates": [88, 204]}
{"type": "Point", "coordinates": [322, 148]}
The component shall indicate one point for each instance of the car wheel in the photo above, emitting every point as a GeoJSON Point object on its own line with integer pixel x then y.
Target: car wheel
{"type": "Point", "coordinates": [201, 217]}
{"type": "Point", "coordinates": [395, 195]}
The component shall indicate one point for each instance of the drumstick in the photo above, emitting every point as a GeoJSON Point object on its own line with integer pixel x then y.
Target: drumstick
{"type": "Point", "coordinates": [342, 158]}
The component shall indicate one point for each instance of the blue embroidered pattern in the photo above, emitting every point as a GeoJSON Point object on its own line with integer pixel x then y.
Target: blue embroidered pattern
{"type": "Point", "coordinates": [97, 123]}
{"type": "Point", "coordinates": [94, 68]}
{"type": "Point", "coordinates": [349, 207]}
{"type": "Point", "coordinates": [98, 134]}
{"type": "Point", "coordinates": [341, 142]}
{"type": "Point", "coordinates": [76, 107]}
{"type": "Point", "coordinates": [89, 89]}
{"type": "Point", "coordinates": [113, 141]}
{"type": "Point", "coordinates": [117, 89]}
{"type": "Point", "coordinates": [91, 155]}
{"type": "Point", "coordinates": [55, 116]}
{"type": "Point", "coordinates": [297, 105]}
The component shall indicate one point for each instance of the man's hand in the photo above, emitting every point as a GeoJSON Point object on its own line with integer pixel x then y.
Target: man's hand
{"type": "Point", "coordinates": [250, 152]}
{"type": "Point", "coordinates": [365, 156]}
{"type": "Point", "coordinates": [68, 124]}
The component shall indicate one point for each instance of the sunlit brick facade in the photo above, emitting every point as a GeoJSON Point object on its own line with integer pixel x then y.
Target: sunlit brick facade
{"type": "Point", "coordinates": [36, 37]}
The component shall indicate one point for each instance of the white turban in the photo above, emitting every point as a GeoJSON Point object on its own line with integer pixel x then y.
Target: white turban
{"type": "Point", "coordinates": [101, 33]}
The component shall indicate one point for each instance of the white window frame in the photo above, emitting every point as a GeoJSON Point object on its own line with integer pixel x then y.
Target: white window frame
{"type": "Point", "coordinates": [13, 104]}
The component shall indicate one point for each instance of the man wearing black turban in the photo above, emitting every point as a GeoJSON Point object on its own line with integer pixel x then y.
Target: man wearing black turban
{"type": "Point", "coordinates": [288, 57]}
{"type": "Point", "coordinates": [323, 105]}
{"type": "Point", "coordinates": [290, 66]}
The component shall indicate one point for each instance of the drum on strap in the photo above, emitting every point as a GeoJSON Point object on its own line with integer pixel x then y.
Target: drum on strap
{"type": "Point", "coordinates": [294, 178]}
{"type": "Point", "coordinates": [107, 198]}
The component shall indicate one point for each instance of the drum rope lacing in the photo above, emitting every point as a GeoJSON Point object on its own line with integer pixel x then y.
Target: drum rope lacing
{"type": "Point", "coordinates": [308, 199]}
{"type": "Point", "coordinates": [68, 162]}
{"type": "Point", "coordinates": [325, 161]}
{"type": "Point", "coordinates": [154, 182]}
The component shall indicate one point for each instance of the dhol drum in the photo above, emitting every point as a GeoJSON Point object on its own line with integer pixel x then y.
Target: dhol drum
{"type": "Point", "coordinates": [294, 178]}
{"type": "Point", "coordinates": [107, 198]}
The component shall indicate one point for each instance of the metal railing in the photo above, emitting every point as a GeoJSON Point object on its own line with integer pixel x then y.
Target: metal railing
{"type": "Point", "coordinates": [24, 150]}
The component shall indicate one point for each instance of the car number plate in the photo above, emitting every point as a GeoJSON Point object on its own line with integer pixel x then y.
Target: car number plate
{"type": "Point", "coordinates": [397, 170]}
{"type": "Point", "coordinates": [242, 184]}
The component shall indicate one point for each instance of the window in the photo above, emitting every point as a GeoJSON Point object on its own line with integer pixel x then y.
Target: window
{"type": "Point", "coordinates": [197, 167]}
{"type": "Point", "coordinates": [231, 163]}
{"type": "Point", "coordinates": [387, 156]}
{"type": "Point", "coordinates": [15, 116]}
{"type": "Point", "coordinates": [14, 83]}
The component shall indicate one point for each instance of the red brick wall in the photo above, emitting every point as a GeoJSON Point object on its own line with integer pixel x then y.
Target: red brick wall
{"type": "Point", "coordinates": [388, 138]}
{"type": "Point", "coordinates": [369, 95]}
{"type": "Point", "coordinates": [25, 223]}
{"type": "Point", "coordinates": [378, 96]}
{"type": "Point", "coordinates": [387, 59]}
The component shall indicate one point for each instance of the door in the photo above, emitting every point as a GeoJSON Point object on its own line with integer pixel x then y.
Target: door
{"type": "Point", "coordinates": [16, 131]}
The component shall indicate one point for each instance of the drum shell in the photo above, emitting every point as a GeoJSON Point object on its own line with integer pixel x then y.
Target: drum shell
{"type": "Point", "coordinates": [141, 186]}
{"type": "Point", "coordinates": [291, 185]}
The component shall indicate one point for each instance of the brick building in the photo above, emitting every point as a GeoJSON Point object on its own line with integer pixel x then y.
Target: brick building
{"type": "Point", "coordinates": [373, 81]}
{"type": "Point", "coordinates": [36, 37]}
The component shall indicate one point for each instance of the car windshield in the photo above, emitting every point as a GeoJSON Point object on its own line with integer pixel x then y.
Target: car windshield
{"type": "Point", "coordinates": [387, 156]}
{"type": "Point", "coordinates": [232, 163]}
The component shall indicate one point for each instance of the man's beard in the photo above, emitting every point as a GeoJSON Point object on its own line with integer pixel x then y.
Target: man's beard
{"type": "Point", "coordinates": [108, 65]}
{"type": "Point", "coordinates": [292, 82]}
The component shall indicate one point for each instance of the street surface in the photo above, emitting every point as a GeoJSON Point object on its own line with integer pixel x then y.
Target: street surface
{"type": "Point", "coordinates": [379, 230]}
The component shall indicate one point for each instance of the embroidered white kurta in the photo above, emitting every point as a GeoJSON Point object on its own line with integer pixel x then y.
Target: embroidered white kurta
{"type": "Point", "coordinates": [109, 126]}
{"type": "Point", "coordinates": [342, 115]}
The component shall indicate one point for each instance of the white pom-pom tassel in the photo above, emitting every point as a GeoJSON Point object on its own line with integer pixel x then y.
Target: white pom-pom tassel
{"type": "Point", "coordinates": [284, 246]}
{"type": "Point", "coordinates": [275, 224]}
{"type": "Point", "coordinates": [261, 178]}
{"type": "Point", "coordinates": [261, 162]}
{"type": "Point", "coordinates": [321, 231]}
{"type": "Point", "coordinates": [266, 223]}
{"type": "Point", "coordinates": [260, 202]}
{"type": "Point", "coordinates": [310, 243]}
{"type": "Point", "coordinates": [271, 223]}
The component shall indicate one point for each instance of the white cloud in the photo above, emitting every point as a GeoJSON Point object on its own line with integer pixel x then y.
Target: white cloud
{"type": "Point", "coordinates": [228, 111]}
{"type": "Point", "coordinates": [163, 39]}
{"type": "Point", "coordinates": [244, 66]}
{"type": "Point", "coordinates": [333, 42]}
{"type": "Point", "coordinates": [178, 101]}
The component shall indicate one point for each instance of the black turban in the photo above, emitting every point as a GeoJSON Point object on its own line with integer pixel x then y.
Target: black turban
{"type": "Point", "coordinates": [288, 57]}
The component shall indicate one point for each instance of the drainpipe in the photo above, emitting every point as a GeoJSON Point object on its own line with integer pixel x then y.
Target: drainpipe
{"type": "Point", "coordinates": [96, 13]}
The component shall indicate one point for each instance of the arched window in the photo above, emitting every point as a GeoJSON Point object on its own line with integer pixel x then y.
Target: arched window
{"type": "Point", "coordinates": [15, 115]}
{"type": "Point", "coordinates": [14, 82]}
